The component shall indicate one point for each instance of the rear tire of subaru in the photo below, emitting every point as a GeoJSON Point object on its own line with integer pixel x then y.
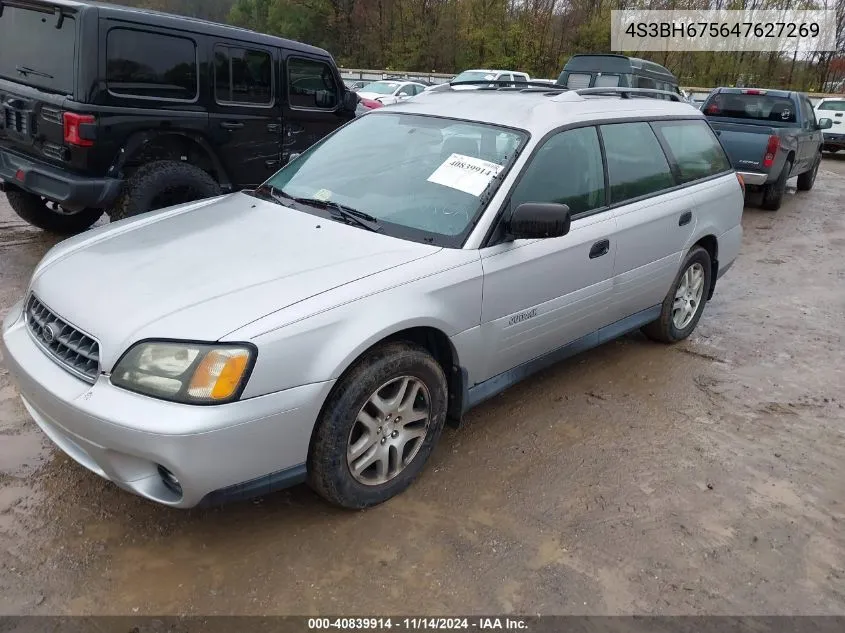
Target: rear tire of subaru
{"type": "Point", "coordinates": [773, 193]}
{"type": "Point", "coordinates": [685, 301]}
{"type": "Point", "coordinates": [50, 216]}
{"type": "Point", "coordinates": [808, 178]}
{"type": "Point", "coordinates": [162, 184]}
{"type": "Point", "coordinates": [378, 427]}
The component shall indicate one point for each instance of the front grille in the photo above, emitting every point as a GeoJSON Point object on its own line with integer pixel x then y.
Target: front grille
{"type": "Point", "coordinates": [74, 350]}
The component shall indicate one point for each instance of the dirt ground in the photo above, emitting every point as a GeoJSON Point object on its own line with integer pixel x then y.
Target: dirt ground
{"type": "Point", "coordinates": [704, 478]}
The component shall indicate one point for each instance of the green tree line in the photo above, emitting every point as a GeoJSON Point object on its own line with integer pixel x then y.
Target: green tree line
{"type": "Point", "coordinates": [536, 36]}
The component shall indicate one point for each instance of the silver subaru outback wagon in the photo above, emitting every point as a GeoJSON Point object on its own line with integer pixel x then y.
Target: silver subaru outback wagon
{"type": "Point", "coordinates": [325, 327]}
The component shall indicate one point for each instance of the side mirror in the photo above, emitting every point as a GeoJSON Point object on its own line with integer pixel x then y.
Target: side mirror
{"type": "Point", "coordinates": [539, 220]}
{"type": "Point", "coordinates": [350, 100]}
{"type": "Point", "coordinates": [324, 98]}
{"type": "Point", "coordinates": [824, 124]}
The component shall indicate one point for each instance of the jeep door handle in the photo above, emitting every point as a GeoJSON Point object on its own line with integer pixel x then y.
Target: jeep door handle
{"type": "Point", "coordinates": [602, 247]}
{"type": "Point", "coordinates": [686, 218]}
{"type": "Point", "coordinates": [231, 125]}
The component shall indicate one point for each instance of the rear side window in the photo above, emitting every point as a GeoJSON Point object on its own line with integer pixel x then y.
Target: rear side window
{"type": "Point", "coordinates": [578, 80]}
{"type": "Point", "coordinates": [758, 107]}
{"type": "Point", "coordinates": [834, 106]}
{"type": "Point", "coordinates": [636, 164]}
{"type": "Point", "coordinates": [34, 52]}
{"type": "Point", "coordinates": [567, 169]}
{"type": "Point", "coordinates": [151, 65]}
{"type": "Point", "coordinates": [607, 81]}
{"type": "Point", "coordinates": [243, 76]}
{"type": "Point", "coordinates": [311, 84]}
{"type": "Point", "coordinates": [519, 78]}
{"type": "Point", "coordinates": [694, 148]}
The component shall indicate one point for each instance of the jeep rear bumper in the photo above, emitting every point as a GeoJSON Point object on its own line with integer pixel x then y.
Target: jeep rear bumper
{"type": "Point", "coordinates": [69, 190]}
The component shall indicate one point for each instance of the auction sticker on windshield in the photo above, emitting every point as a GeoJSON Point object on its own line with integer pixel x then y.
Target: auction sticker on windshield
{"type": "Point", "coordinates": [465, 173]}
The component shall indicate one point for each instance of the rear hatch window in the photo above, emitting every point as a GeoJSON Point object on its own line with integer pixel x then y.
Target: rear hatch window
{"type": "Point", "coordinates": [37, 49]}
{"type": "Point", "coordinates": [757, 107]}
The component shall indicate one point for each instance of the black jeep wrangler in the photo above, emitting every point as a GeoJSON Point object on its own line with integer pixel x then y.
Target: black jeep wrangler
{"type": "Point", "coordinates": [123, 111]}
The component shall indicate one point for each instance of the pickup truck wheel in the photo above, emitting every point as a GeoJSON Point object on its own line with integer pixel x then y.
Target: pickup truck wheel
{"type": "Point", "coordinates": [808, 178]}
{"type": "Point", "coordinates": [685, 301]}
{"type": "Point", "coordinates": [161, 184]}
{"type": "Point", "coordinates": [773, 192]}
{"type": "Point", "coordinates": [378, 427]}
{"type": "Point", "coordinates": [50, 216]}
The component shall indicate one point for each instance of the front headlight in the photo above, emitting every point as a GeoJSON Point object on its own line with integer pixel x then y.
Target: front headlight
{"type": "Point", "coordinates": [192, 373]}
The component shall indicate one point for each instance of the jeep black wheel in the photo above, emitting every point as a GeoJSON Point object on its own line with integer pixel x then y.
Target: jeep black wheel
{"type": "Point", "coordinates": [50, 216]}
{"type": "Point", "coordinates": [162, 184]}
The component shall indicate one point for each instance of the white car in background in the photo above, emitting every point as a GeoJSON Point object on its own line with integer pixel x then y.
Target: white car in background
{"type": "Point", "coordinates": [832, 108]}
{"type": "Point", "coordinates": [389, 92]}
{"type": "Point", "coordinates": [481, 74]}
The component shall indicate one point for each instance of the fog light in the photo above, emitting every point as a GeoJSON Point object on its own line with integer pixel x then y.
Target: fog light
{"type": "Point", "coordinates": [169, 480]}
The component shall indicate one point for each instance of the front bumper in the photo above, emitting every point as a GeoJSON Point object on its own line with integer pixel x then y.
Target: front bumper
{"type": "Point", "coordinates": [833, 141]}
{"type": "Point", "coordinates": [216, 453]}
{"type": "Point", "coordinates": [72, 191]}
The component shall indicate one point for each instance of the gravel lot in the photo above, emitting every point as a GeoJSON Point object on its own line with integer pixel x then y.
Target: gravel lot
{"type": "Point", "coordinates": [702, 478]}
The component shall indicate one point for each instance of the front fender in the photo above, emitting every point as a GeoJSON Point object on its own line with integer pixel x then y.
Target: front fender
{"type": "Point", "coordinates": [319, 341]}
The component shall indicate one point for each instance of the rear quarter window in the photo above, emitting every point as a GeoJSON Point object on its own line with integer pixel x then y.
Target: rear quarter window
{"type": "Point", "coordinates": [148, 65]}
{"type": "Point", "coordinates": [694, 148]}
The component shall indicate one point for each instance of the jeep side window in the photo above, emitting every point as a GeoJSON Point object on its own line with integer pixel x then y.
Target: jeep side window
{"type": "Point", "coordinates": [148, 65]}
{"type": "Point", "coordinates": [694, 148]}
{"type": "Point", "coordinates": [311, 84]}
{"type": "Point", "coordinates": [242, 76]}
{"type": "Point", "coordinates": [567, 169]}
{"type": "Point", "coordinates": [636, 164]}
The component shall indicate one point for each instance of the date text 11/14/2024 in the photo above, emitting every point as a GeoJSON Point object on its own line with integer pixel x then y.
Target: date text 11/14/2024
{"type": "Point", "coordinates": [419, 623]}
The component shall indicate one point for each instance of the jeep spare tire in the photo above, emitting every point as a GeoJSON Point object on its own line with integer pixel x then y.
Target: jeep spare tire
{"type": "Point", "coordinates": [50, 216]}
{"type": "Point", "coordinates": [162, 184]}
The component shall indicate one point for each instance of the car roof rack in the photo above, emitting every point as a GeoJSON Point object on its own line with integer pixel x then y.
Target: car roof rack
{"type": "Point", "coordinates": [539, 86]}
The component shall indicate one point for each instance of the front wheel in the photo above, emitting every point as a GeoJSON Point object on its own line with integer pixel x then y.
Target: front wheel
{"type": "Point", "coordinates": [378, 427]}
{"type": "Point", "coordinates": [50, 216]}
{"type": "Point", "coordinates": [685, 301]}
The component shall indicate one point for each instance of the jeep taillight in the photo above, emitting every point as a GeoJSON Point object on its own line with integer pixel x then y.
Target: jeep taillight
{"type": "Point", "coordinates": [771, 150]}
{"type": "Point", "coordinates": [77, 129]}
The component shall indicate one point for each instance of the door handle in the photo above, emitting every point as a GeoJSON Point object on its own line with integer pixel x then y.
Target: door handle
{"type": "Point", "coordinates": [231, 125]}
{"type": "Point", "coordinates": [602, 247]}
{"type": "Point", "coordinates": [686, 218]}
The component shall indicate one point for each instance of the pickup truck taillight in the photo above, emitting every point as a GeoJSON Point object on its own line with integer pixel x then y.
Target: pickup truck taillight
{"type": "Point", "coordinates": [771, 150]}
{"type": "Point", "coordinates": [77, 129]}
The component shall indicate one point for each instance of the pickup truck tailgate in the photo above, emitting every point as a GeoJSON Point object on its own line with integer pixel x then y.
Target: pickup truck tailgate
{"type": "Point", "coordinates": [745, 143]}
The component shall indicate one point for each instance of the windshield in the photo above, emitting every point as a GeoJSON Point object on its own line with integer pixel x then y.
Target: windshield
{"type": "Point", "coordinates": [381, 87]}
{"type": "Point", "coordinates": [751, 106]}
{"type": "Point", "coordinates": [34, 51]}
{"type": "Point", "coordinates": [475, 75]}
{"type": "Point", "coordinates": [834, 106]}
{"type": "Point", "coordinates": [423, 178]}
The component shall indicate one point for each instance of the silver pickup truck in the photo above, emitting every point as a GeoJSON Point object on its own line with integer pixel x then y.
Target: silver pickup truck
{"type": "Point", "coordinates": [770, 136]}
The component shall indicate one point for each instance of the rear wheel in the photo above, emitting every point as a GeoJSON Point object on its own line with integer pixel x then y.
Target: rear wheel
{"type": "Point", "coordinates": [378, 427]}
{"type": "Point", "coordinates": [161, 184]}
{"type": "Point", "coordinates": [773, 193]}
{"type": "Point", "coordinates": [50, 216]}
{"type": "Point", "coordinates": [685, 301]}
{"type": "Point", "coordinates": [808, 178]}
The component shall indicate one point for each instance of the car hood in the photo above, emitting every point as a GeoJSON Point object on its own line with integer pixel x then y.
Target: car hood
{"type": "Point", "coordinates": [203, 270]}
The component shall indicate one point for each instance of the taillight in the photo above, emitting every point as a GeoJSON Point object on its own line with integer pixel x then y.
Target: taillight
{"type": "Point", "coordinates": [75, 134]}
{"type": "Point", "coordinates": [771, 150]}
{"type": "Point", "coordinates": [741, 181]}
{"type": "Point", "coordinates": [754, 92]}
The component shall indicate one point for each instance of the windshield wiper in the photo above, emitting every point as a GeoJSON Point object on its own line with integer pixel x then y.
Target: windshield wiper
{"type": "Point", "coordinates": [25, 70]}
{"type": "Point", "coordinates": [341, 211]}
{"type": "Point", "coordinates": [269, 192]}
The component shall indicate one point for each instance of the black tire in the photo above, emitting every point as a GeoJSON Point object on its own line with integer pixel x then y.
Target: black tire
{"type": "Point", "coordinates": [808, 178]}
{"type": "Point", "coordinates": [162, 184]}
{"type": "Point", "coordinates": [773, 192]}
{"type": "Point", "coordinates": [329, 473]}
{"type": "Point", "coordinates": [664, 329]}
{"type": "Point", "coordinates": [38, 212]}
